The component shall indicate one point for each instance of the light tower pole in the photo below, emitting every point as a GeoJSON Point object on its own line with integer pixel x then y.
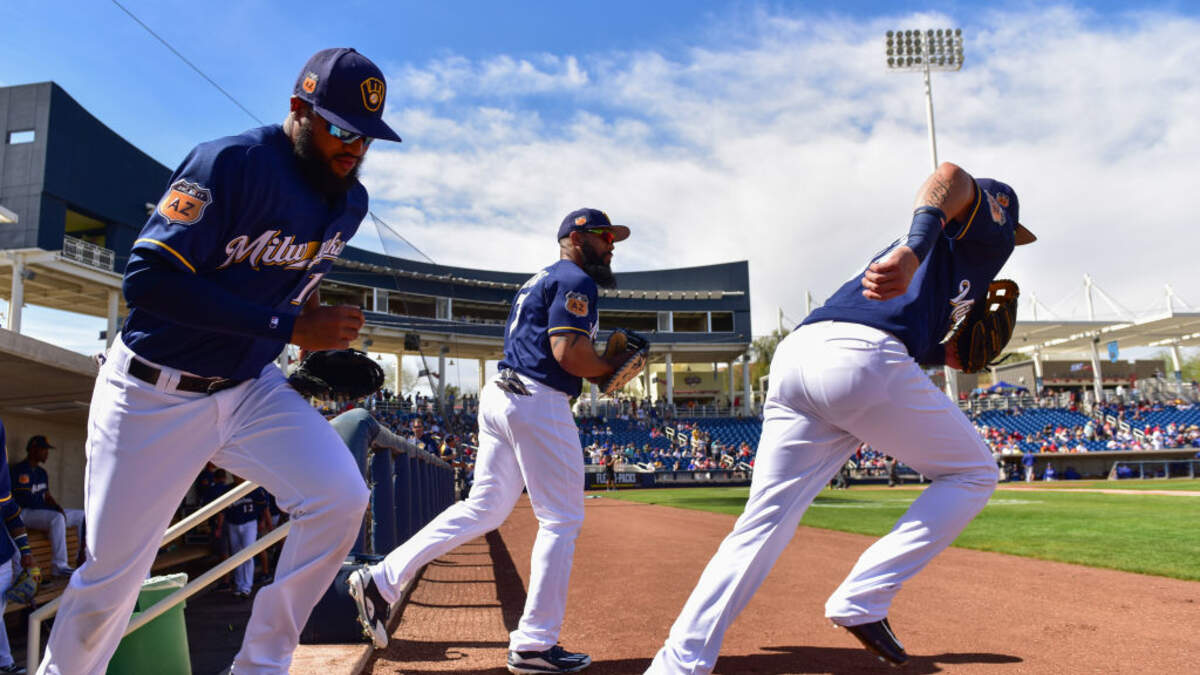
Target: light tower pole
{"type": "Point", "coordinates": [923, 52]}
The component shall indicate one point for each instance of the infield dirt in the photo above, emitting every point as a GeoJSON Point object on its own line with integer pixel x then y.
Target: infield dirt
{"type": "Point", "coordinates": [635, 564]}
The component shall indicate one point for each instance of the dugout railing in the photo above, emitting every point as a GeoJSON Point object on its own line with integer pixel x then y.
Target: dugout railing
{"type": "Point", "coordinates": [408, 485]}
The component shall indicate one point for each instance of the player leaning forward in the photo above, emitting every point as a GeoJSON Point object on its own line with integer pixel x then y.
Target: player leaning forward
{"type": "Point", "coordinates": [849, 374]}
{"type": "Point", "coordinates": [527, 439]}
{"type": "Point", "coordinates": [223, 275]}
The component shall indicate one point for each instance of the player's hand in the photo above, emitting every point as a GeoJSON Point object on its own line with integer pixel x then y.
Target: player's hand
{"type": "Point", "coordinates": [889, 276]}
{"type": "Point", "coordinates": [327, 327]}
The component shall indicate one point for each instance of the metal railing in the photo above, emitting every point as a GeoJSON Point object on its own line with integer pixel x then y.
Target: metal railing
{"type": "Point", "coordinates": [87, 253]}
{"type": "Point", "coordinates": [1192, 468]}
{"type": "Point", "coordinates": [177, 530]}
{"type": "Point", "coordinates": [409, 486]}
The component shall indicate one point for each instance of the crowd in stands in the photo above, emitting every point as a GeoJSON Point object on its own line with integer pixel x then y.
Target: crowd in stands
{"type": "Point", "coordinates": [1142, 426]}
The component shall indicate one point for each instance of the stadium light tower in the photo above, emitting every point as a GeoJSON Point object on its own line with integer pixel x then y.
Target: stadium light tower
{"type": "Point", "coordinates": [923, 52]}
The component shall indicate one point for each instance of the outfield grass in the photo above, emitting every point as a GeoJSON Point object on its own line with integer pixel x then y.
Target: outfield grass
{"type": "Point", "coordinates": [1149, 534]}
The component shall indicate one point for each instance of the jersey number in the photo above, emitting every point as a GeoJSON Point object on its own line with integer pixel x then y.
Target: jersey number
{"type": "Point", "coordinates": [517, 311]}
{"type": "Point", "coordinates": [313, 281]}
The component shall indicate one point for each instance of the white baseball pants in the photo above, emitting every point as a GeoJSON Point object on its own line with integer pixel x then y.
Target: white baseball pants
{"type": "Point", "coordinates": [834, 385]}
{"type": "Point", "coordinates": [55, 525]}
{"type": "Point", "coordinates": [6, 582]}
{"type": "Point", "coordinates": [146, 444]}
{"type": "Point", "coordinates": [242, 535]}
{"type": "Point", "coordinates": [524, 441]}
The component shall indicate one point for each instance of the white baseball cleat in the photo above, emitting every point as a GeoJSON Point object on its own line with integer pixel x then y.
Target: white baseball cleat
{"type": "Point", "coordinates": [372, 608]}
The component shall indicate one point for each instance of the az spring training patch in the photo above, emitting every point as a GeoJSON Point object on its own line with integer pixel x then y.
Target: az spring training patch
{"type": "Point", "coordinates": [184, 202]}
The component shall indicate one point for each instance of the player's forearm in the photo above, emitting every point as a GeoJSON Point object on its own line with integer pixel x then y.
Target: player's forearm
{"type": "Point", "coordinates": [190, 300]}
{"type": "Point", "coordinates": [15, 526]}
{"type": "Point", "coordinates": [574, 352]}
{"type": "Point", "coordinates": [949, 189]}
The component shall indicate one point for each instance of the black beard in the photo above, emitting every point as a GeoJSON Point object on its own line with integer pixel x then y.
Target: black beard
{"type": "Point", "coordinates": [595, 267]}
{"type": "Point", "coordinates": [315, 168]}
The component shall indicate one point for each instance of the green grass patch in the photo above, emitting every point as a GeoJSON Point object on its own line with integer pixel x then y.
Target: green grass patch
{"type": "Point", "coordinates": [1148, 534]}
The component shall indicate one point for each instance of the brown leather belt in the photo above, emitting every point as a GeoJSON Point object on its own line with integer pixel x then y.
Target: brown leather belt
{"type": "Point", "coordinates": [190, 383]}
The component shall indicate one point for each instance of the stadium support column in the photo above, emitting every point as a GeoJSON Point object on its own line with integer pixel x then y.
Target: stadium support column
{"type": "Point", "coordinates": [729, 370]}
{"type": "Point", "coordinates": [1097, 385]}
{"type": "Point", "coordinates": [17, 299]}
{"type": "Point", "coordinates": [592, 389]}
{"type": "Point", "coordinates": [747, 408]}
{"type": "Point", "coordinates": [441, 388]}
{"type": "Point", "coordinates": [646, 382]}
{"type": "Point", "coordinates": [114, 303]}
{"type": "Point", "coordinates": [482, 374]}
{"type": "Point", "coordinates": [670, 381]}
{"type": "Point", "coordinates": [1037, 372]}
{"type": "Point", "coordinates": [1177, 362]}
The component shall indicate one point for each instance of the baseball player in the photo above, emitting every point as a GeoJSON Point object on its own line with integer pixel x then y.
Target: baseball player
{"type": "Point", "coordinates": [39, 509]}
{"type": "Point", "coordinates": [13, 543]}
{"type": "Point", "coordinates": [222, 277]}
{"type": "Point", "coordinates": [241, 521]}
{"type": "Point", "coordinates": [849, 374]}
{"type": "Point", "coordinates": [527, 439]}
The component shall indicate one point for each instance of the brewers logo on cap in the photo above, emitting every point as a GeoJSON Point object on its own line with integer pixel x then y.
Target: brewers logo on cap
{"type": "Point", "coordinates": [185, 202]}
{"type": "Point", "coordinates": [310, 82]}
{"type": "Point", "coordinates": [576, 303]}
{"type": "Point", "coordinates": [1003, 199]}
{"type": "Point", "coordinates": [372, 93]}
{"type": "Point", "coordinates": [581, 220]}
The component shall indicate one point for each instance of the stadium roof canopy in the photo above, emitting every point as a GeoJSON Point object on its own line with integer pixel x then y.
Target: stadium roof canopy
{"type": "Point", "coordinates": [1167, 328]}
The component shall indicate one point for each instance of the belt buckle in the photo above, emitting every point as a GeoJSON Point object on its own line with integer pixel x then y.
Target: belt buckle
{"type": "Point", "coordinates": [219, 384]}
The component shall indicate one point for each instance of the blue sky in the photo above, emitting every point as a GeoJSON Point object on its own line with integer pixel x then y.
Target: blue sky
{"type": "Point", "coordinates": [717, 130]}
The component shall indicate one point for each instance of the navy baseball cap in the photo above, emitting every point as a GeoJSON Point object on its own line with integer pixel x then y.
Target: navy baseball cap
{"type": "Point", "coordinates": [347, 89]}
{"type": "Point", "coordinates": [1001, 196]}
{"type": "Point", "coordinates": [591, 219]}
{"type": "Point", "coordinates": [38, 441]}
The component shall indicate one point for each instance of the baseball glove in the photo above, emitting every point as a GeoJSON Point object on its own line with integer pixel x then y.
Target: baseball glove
{"type": "Point", "coordinates": [979, 337]}
{"type": "Point", "coordinates": [627, 349]}
{"type": "Point", "coordinates": [346, 373]}
{"type": "Point", "coordinates": [25, 587]}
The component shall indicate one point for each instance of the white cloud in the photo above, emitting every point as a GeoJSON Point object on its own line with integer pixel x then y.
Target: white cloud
{"type": "Point", "coordinates": [787, 144]}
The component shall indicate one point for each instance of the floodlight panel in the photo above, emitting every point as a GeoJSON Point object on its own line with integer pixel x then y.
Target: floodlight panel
{"type": "Point", "coordinates": [932, 49]}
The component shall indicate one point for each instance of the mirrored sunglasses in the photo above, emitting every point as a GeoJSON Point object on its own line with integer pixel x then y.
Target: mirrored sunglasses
{"type": "Point", "coordinates": [346, 136]}
{"type": "Point", "coordinates": [604, 234]}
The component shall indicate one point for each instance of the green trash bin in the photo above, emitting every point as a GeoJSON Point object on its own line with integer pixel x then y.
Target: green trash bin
{"type": "Point", "coordinates": [161, 646]}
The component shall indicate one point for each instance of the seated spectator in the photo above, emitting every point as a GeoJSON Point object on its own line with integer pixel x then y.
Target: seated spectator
{"type": "Point", "coordinates": [40, 511]}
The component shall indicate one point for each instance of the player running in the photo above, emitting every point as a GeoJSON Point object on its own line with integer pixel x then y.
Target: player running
{"type": "Point", "coordinates": [849, 374]}
{"type": "Point", "coordinates": [527, 439]}
{"type": "Point", "coordinates": [222, 277]}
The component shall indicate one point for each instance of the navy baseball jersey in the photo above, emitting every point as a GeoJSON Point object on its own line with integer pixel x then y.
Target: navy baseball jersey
{"type": "Point", "coordinates": [952, 278]}
{"type": "Point", "coordinates": [9, 510]}
{"type": "Point", "coordinates": [248, 508]}
{"type": "Point", "coordinates": [239, 213]}
{"type": "Point", "coordinates": [559, 299]}
{"type": "Point", "coordinates": [29, 485]}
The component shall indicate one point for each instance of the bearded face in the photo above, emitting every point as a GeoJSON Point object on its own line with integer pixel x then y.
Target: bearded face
{"type": "Point", "coordinates": [596, 263]}
{"type": "Point", "coordinates": [317, 168]}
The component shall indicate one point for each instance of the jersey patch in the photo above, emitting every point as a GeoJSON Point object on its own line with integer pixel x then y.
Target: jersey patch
{"type": "Point", "coordinates": [372, 93]}
{"type": "Point", "coordinates": [185, 202]}
{"type": "Point", "coordinates": [995, 205]}
{"type": "Point", "coordinates": [576, 303]}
